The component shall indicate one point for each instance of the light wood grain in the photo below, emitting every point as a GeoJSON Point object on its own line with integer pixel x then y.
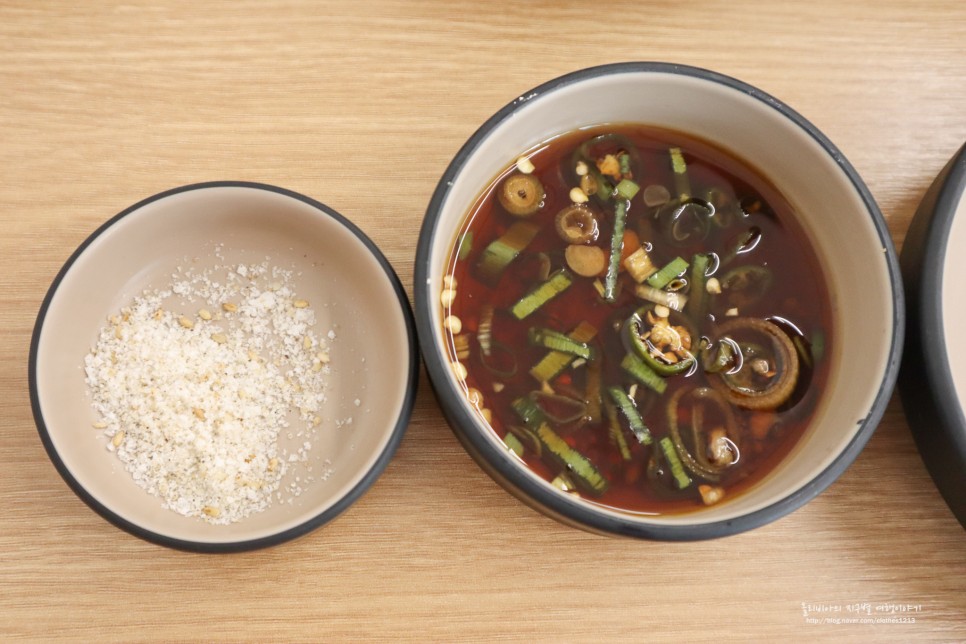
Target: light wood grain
{"type": "Point", "coordinates": [361, 105]}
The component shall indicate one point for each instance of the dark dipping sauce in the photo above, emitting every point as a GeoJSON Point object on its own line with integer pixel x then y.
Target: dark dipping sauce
{"type": "Point", "coordinates": [734, 376]}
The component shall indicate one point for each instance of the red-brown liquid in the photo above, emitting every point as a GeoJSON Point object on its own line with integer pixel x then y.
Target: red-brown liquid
{"type": "Point", "coordinates": [797, 298]}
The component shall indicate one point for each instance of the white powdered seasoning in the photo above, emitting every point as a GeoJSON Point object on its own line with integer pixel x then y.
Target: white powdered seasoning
{"type": "Point", "coordinates": [194, 384]}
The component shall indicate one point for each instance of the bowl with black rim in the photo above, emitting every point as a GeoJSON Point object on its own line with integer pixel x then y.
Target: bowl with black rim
{"type": "Point", "coordinates": [833, 206]}
{"type": "Point", "coordinates": [933, 377]}
{"type": "Point", "coordinates": [361, 314]}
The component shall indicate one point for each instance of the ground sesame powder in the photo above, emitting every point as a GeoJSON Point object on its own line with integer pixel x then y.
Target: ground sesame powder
{"type": "Point", "coordinates": [193, 384]}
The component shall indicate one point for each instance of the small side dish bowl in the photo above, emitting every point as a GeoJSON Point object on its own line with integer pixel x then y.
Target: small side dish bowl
{"type": "Point", "coordinates": [361, 312]}
{"type": "Point", "coordinates": [833, 207]}
{"type": "Point", "coordinates": [933, 377]}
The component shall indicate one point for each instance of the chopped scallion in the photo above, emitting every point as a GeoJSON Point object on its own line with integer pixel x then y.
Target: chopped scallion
{"type": "Point", "coordinates": [563, 483]}
{"type": "Point", "coordinates": [514, 445]}
{"type": "Point", "coordinates": [680, 168]}
{"type": "Point", "coordinates": [616, 246]}
{"type": "Point", "coordinates": [625, 164]}
{"type": "Point", "coordinates": [556, 341]}
{"type": "Point", "coordinates": [554, 362]}
{"type": "Point", "coordinates": [629, 409]}
{"type": "Point", "coordinates": [675, 268]}
{"type": "Point", "coordinates": [697, 303]}
{"type": "Point", "coordinates": [627, 189]}
{"type": "Point", "coordinates": [585, 473]}
{"type": "Point", "coordinates": [541, 294]}
{"type": "Point", "coordinates": [676, 301]}
{"type": "Point", "coordinates": [681, 477]}
{"type": "Point", "coordinates": [617, 433]}
{"type": "Point", "coordinates": [466, 246]}
{"type": "Point", "coordinates": [501, 251]}
{"type": "Point", "coordinates": [639, 265]}
{"type": "Point", "coordinates": [592, 391]}
{"type": "Point", "coordinates": [639, 371]}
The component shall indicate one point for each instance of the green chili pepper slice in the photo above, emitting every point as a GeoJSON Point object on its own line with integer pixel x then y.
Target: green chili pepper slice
{"type": "Point", "coordinates": [633, 330]}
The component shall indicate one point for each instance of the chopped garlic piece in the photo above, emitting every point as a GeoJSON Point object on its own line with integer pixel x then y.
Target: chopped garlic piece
{"type": "Point", "coordinates": [525, 165]}
{"type": "Point", "coordinates": [578, 196]}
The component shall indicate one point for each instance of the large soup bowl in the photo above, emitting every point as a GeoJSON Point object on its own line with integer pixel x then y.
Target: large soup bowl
{"type": "Point", "coordinates": [837, 214]}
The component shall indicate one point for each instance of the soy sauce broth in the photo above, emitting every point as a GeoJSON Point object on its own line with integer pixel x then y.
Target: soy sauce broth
{"type": "Point", "coordinates": [751, 226]}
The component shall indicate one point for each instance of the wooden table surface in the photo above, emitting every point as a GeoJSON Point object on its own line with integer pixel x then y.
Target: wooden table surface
{"type": "Point", "coordinates": [361, 105]}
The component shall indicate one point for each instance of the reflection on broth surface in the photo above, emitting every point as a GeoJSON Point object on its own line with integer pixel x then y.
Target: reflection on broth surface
{"type": "Point", "coordinates": [637, 314]}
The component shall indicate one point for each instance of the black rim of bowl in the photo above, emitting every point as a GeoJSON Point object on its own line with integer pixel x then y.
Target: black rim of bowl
{"type": "Point", "coordinates": [929, 397]}
{"type": "Point", "coordinates": [273, 539]}
{"type": "Point", "coordinates": [560, 506]}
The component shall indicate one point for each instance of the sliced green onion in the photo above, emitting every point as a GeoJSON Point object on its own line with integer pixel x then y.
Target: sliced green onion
{"type": "Point", "coordinates": [680, 168]}
{"type": "Point", "coordinates": [541, 294]}
{"type": "Point", "coordinates": [629, 409]}
{"type": "Point", "coordinates": [466, 246]}
{"type": "Point", "coordinates": [523, 433]}
{"type": "Point", "coordinates": [554, 362]}
{"type": "Point", "coordinates": [676, 301]}
{"type": "Point", "coordinates": [625, 164]}
{"type": "Point", "coordinates": [697, 303]}
{"type": "Point", "coordinates": [617, 433]}
{"type": "Point", "coordinates": [677, 470]}
{"type": "Point", "coordinates": [557, 341]}
{"type": "Point", "coordinates": [672, 269]}
{"type": "Point", "coordinates": [639, 371]}
{"type": "Point", "coordinates": [528, 412]}
{"type": "Point", "coordinates": [563, 483]}
{"type": "Point", "coordinates": [592, 391]}
{"type": "Point", "coordinates": [585, 473]}
{"type": "Point", "coordinates": [605, 189]}
{"type": "Point", "coordinates": [501, 251]}
{"type": "Point", "coordinates": [627, 189]}
{"type": "Point", "coordinates": [616, 246]}
{"type": "Point", "coordinates": [551, 365]}
{"type": "Point", "coordinates": [611, 143]}
{"type": "Point", "coordinates": [484, 332]}
{"type": "Point", "coordinates": [639, 265]}
{"type": "Point", "coordinates": [514, 445]}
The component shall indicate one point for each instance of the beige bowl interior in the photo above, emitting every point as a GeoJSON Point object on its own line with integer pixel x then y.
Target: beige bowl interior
{"type": "Point", "coordinates": [953, 304]}
{"type": "Point", "coordinates": [335, 271]}
{"type": "Point", "coordinates": [831, 209]}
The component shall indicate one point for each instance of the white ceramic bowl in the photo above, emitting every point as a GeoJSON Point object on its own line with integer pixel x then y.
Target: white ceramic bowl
{"type": "Point", "coordinates": [353, 290]}
{"type": "Point", "coordinates": [837, 213]}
